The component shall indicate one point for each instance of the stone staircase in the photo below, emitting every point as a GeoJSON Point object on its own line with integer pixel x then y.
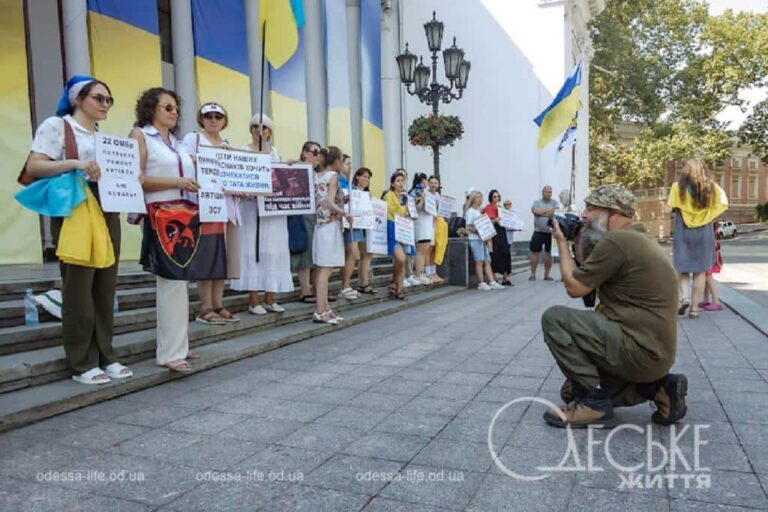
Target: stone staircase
{"type": "Point", "coordinates": [35, 382]}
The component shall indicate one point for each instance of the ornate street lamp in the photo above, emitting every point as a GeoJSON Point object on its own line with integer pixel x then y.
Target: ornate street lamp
{"type": "Point", "coordinates": [416, 77]}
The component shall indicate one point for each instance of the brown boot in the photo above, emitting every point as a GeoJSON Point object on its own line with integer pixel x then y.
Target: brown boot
{"type": "Point", "coordinates": [592, 407]}
{"type": "Point", "coordinates": [670, 399]}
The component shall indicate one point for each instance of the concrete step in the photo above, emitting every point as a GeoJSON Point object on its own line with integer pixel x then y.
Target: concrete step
{"type": "Point", "coordinates": [138, 312]}
{"type": "Point", "coordinates": [29, 404]}
{"type": "Point", "coordinates": [33, 367]}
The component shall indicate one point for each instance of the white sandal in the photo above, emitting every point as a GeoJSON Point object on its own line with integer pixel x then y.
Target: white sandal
{"type": "Point", "coordinates": [90, 377]}
{"type": "Point", "coordinates": [118, 371]}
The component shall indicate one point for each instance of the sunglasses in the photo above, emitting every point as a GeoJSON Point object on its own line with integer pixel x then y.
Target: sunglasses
{"type": "Point", "coordinates": [210, 115]}
{"type": "Point", "coordinates": [104, 100]}
{"type": "Point", "coordinates": [169, 107]}
{"type": "Point", "coordinates": [313, 152]}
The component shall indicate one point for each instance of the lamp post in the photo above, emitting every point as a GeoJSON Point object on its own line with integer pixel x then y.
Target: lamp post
{"type": "Point", "coordinates": [416, 77]}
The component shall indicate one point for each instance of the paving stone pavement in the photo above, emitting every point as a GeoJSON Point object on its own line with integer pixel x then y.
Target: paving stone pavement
{"type": "Point", "coordinates": [393, 415]}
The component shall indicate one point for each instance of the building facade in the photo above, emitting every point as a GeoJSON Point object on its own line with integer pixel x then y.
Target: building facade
{"type": "Point", "coordinates": [342, 86]}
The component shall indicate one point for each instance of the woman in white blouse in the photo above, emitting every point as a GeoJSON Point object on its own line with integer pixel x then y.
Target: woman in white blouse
{"type": "Point", "coordinates": [212, 118]}
{"type": "Point", "coordinates": [87, 293]}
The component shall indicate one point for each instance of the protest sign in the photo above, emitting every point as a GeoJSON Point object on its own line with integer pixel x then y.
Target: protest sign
{"type": "Point", "coordinates": [431, 205]}
{"type": "Point", "coordinates": [411, 206]}
{"type": "Point", "coordinates": [361, 208]}
{"type": "Point", "coordinates": [243, 172]}
{"type": "Point", "coordinates": [484, 227]}
{"type": "Point", "coordinates": [213, 208]}
{"type": "Point", "coordinates": [376, 237]}
{"type": "Point", "coordinates": [293, 191]}
{"type": "Point", "coordinates": [446, 206]}
{"type": "Point", "coordinates": [508, 219]}
{"type": "Point", "coordinates": [119, 187]}
{"type": "Point", "coordinates": [404, 230]}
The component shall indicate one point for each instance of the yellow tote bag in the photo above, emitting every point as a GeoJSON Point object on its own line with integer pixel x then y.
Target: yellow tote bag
{"type": "Point", "coordinates": [441, 239]}
{"type": "Point", "coordinates": [84, 239]}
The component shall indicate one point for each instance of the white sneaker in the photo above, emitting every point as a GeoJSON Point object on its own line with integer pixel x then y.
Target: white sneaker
{"type": "Point", "coordinates": [424, 280]}
{"type": "Point", "coordinates": [406, 283]}
{"type": "Point", "coordinates": [483, 286]}
{"type": "Point", "coordinates": [414, 281]}
{"type": "Point", "coordinates": [348, 293]}
{"type": "Point", "coordinates": [496, 286]}
{"type": "Point", "coordinates": [275, 308]}
{"type": "Point", "coordinates": [257, 310]}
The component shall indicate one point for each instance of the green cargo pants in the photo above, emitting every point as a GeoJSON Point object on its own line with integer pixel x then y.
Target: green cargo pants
{"type": "Point", "coordinates": [592, 350]}
{"type": "Point", "coordinates": [87, 298]}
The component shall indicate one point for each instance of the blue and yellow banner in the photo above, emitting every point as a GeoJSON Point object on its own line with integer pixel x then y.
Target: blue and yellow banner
{"type": "Point", "coordinates": [337, 73]}
{"type": "Point", "coordinates": [20, 229]}
{"type": "Point", "coordinates": [288, 99]}
{"type": "Point", "coordinates": [284, 20]}
{"type": "Point", "coordinates": [221, 62]}
{"type": "Point", "coordinates": [558, 116]}
{"type": "Point", "coordinates": [125, 53]}
{"type": "Point", "coordinates": [370, 70]}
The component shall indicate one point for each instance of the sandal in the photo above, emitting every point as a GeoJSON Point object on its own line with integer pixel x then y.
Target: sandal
{"type": "Point", "coordinates": [181, 366]}
{"type": "Point", "coordinates": [227, 316]}
{"type": "Point", "coordinates": [325, 318]}
{"type": "Point", "coordinates": [118, 371]}
{"type": "Point", "coordinates": [92, 377]}
{"type": "Point", "coordinates": [210, 317]}
{"type": "Point", "coordinates": [307, 299]}
{"type": "Point", "coordinates": [400, 295]}
{"type": "Point", "coordinates": [367, 289]}
{"type": "Point", "coordinates": [694, 314]}
{"type": "Point", "coordinates": [193, 355]}
{"type": "Point", "coordinates": [684, 305]}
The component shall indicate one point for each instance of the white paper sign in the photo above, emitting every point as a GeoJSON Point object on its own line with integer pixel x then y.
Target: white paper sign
{"type": "Point", "coordinates": [484, 227]}
{"type": "Point", "coordinates": [404, 230]}
{"type": "Point", "coordinates": [119, 187]}
{"type": "Point", "coordinates": [213, 207]}
{"type": "Point", "coordinates": [361, 208]}
{"type": "Point", "coordinates": [376, 237]}
{"type": "Point", "coordinates": [508, 219]}
{"type": "Point", "coordinates": [243, 172]}
{"type": "Point", "coordinates": [430, 204]}
{"type": "Point", "coordinates": [446, 206]}
{"type": "Point", "coordinates": [412, 211]}
{"type": "Point", "coordinates": [119, 195]}
{"type": "Point", "coordinates": [293, 191]}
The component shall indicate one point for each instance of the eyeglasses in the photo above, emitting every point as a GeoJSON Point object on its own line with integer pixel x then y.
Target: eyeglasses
{"type": "Point", "coordinates": [104, 100]}
{"type": "Point", "coordinates": [168, 107]}
{"type": "Point", "coordinates": [263, 127]}
{"type": "Point", "coordinates": [210, 115]}
{"type": "Point", "coordinates": [313, 152]}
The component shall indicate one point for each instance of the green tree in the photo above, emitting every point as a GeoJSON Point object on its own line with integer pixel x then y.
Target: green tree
{"type": "Point", "coordinates": [669, 68]}
{"type": "Point", "coordinates": [754, 130]}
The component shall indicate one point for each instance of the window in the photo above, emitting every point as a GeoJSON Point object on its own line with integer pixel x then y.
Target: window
{"type": "Point", "coordinates": [720, 178]}
{"type": "Point", "coordinates": [752, 187]}
{"type": "Point", "coordinates": [736, 163]}
{"type": "Point", "coordinates": [754, 164]}
{"type": "Point", "coordinates": [164, 22]}
{"type": "Point", "coordinates": [736, 186]}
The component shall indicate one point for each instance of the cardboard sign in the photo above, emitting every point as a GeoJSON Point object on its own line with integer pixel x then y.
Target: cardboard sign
{"type": "Point", "coordinates": [508, 219]}
{"type": "Point", "coordinates": [119, 187]}
{"type": "Point", "coordinates": [446, 206]}
{"type": "Point", "coordinates": [213, 207]}
{"type": "Point", "coordinates": [361, 208]}
{"type": "Point", "coordinates": [404, 231]}
{"type": "Point", "coordinates": [293, 191]}
{"type": "Point", "coordinates": [376, 237]}
{"type": "Point", "coordinates": [431, 204]}
{"type": "Point", "coordinates": [484, 227]}
{"type": "Point", "coordinates": [412, 211]}
{"type": "Point", "coordinates": [242, 172]}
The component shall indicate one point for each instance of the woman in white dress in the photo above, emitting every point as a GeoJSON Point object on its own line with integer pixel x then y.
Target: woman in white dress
{"type": "Point", "coordinates": [212, 118]}
{"type": "Point", "coordinates": [265, 260]}
{"type": "Point", "coordinates": [327, 241]}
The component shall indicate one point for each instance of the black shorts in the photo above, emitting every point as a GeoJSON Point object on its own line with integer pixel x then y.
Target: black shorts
{"type": "Point", "coordinates": [538, 239]}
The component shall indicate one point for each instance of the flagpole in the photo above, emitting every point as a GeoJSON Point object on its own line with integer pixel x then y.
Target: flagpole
{"type": "Point", "coordinates": [261, 89]}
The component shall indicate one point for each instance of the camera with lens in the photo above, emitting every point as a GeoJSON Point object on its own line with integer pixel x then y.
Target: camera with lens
{"type": "Point", "coordinates": [571, 225]}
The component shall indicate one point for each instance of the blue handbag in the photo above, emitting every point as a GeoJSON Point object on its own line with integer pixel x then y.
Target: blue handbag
{"type": "Point", "coordinates": [297, 234]}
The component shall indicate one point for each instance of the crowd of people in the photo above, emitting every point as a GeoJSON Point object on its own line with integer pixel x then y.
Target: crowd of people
{"type": "Point", "coordinates": [253, 253]}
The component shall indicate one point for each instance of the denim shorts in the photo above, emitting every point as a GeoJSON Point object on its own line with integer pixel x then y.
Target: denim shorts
{"type": "Point", "coordinates": [355, 236]}
{"type": "Point", "coordinates": [479, 250]}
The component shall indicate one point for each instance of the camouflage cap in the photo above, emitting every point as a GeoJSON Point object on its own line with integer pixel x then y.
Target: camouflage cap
{"type": "Point", "coordinates": [613, 197]}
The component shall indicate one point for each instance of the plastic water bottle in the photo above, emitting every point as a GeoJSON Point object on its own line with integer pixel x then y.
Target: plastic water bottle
{"type": "Point", "coordinates": [115, 305]}
{"type": "Point", "coordinates": [30, 309]}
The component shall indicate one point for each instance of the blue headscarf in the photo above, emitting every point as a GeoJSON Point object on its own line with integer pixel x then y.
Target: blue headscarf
{"type": "Point", "coordinates": [71, 89]}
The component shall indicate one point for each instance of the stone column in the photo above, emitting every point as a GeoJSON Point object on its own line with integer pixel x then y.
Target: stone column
{"type": "Point", "coordinates": [77, 57]}
{"type": "Point", "coordinates": [184, 63]}
{"type": "Point", "coordinates": [314, 59]}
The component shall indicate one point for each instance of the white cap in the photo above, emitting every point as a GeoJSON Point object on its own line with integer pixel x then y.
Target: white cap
{"type": "Point", "coordinates": [469, 191]}
{"type": "Point", "coordinates": [263, 119]}
{"type": "Point", "coordinates": [213, 107]}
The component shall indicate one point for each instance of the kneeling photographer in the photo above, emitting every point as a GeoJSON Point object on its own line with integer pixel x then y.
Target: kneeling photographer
{"type": "Point", "coordinates": [620, 354]}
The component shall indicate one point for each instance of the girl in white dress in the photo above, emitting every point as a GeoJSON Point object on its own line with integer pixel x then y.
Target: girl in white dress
{"type": "Point", "coordinates": [328, 241]}
{"type": "Point", "coordinates": [268, 270]}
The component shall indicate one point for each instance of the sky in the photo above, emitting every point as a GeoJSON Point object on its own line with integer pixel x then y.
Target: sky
{"type": "Point", "coordinates": [732, 114]}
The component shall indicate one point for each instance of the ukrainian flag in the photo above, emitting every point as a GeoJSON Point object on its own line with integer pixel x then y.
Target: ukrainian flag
{"type": "Point", "coordinates": [284, 18]}
{"type": "Point", "coordinates": [288, 101]}
{"type": "Point", "coordinates": [221, 62]}
{"type": "Point", "coordinates": [560, 113]}
{"type": "Point", "coordinates": [337, 75]}
{"type": "Point", "coordinates": [373, 119]}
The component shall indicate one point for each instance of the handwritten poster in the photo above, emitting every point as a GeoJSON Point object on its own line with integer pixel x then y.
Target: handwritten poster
{"type": "Point", "coordinates": [446, 206]}
{"type": "Point", "coordinates": [213, 207]}
{"type": "Point", "coordinates": [431, 205]}
{"type": "Point", "coordinates": [376, 237]}
{"type": "Point", "coordinates": [404, 230]}
{"type": "Point", "coordinates": [484, 227]}
{"type": "Point", "coordinates": [361, 208]}
{"type": "Point", "coordinates": [119, 186]}
{"type": "Point", "coordinates": [242, 172]}
{"type": "Point", "coordinates": [508, 219]}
